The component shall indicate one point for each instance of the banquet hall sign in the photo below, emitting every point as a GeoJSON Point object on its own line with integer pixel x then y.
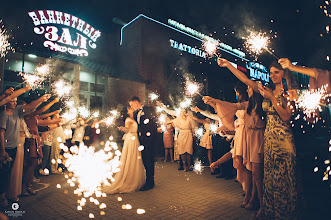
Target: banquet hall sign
{"type": "Point", "coordinates": [64, 32]}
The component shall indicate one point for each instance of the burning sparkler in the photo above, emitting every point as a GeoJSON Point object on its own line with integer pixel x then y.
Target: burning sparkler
{"type": "Point", "coordinates": [4, 44]}
{"type": "Point", "coordinates": [184, 104]}
{"type": "Point", "coordinates": [199, 132]}
{"type": "Point", "coordinates": [83, 111]}
{"type": "Point", "coordinates": [153, 96]}
{"type": "Point", "coordinates": [61, 88]}
{"type": "Point", "coordinates": [210, 47]}
{"type": "Point", "coordinates": [33, 80]}
{"type": "Point", "coordinates": [96, 114]}
{"type": "Point", "coordinates": [192, 88]}
{"type": "Point", "coordinates": [256, 43]}
{"type": "Point", "coordinates": [310, 101]}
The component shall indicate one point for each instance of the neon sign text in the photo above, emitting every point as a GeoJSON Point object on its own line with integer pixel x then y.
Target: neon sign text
{"type": "Point", "coordinates": [187, 48]}
{"type": "Point", "coordinates": [59, 38]}
{"type": "Point", "coordinates": [205, 37]}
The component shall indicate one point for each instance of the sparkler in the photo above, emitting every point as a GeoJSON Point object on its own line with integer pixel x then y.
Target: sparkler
{"type": "Point", "coordinates": [184, 104]}
{"type": "Point", "coordinates": [192, 88]}
{"type": "Point", "coordinates": [256, 43]}
{"type": "Point", "coordinates": [199, 132]}
{"type": "Point", "coordinates": [90, 170]}
{"type": "Point", "coordinates": [210, 47]}
{"type": "Point", "coordinates": [33, 80]}
{"type": "Point", "coordinates": [213, 128]}
{"type": "Point", "coordinates": [83, 111]}
{"type": "Point", "coordinates": [61, 88]}
{"type": "Point", "coordinates": [4, 44]}
{"type": "Point", "coordinates": [153, 96]}
{"type": "Point", "coordinates": [310, 101]}
{"type": "Point", "coordinates": [43, 70]}
{"type": "Point", "coordinates": [96, 114]}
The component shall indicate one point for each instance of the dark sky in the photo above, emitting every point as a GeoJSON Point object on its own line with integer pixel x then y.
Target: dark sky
{"type": "Point", "coordinates": [298, 23]}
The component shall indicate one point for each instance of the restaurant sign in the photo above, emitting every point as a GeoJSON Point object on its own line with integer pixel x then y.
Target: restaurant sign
{"type": "Point", "coordinates": [64, 32]}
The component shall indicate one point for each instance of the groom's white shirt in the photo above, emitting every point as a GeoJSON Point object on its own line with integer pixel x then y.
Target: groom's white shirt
{"type": "Point", "coordinates": [139, 114]}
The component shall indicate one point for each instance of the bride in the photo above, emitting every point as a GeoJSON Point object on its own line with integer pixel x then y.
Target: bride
{"type": "Point", "coordinates": [131, 176]}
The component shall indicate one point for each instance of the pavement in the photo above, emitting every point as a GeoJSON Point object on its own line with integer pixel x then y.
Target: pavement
{"type": "Point", "coordinates": [176, 195]}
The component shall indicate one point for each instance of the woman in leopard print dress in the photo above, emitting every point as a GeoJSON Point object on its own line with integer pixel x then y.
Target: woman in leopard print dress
{"type": "Point", "coordinates": [279, 182]}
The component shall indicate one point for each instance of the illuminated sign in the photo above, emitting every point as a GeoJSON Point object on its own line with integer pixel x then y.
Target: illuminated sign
{"type": "Point", "coordinates": [258, 71]}
{"type": "Point", "coordinates": [187, 48]}
{"type": "Point", "coordinates": [64, 32]}
{"type": "Point", "coordinates": [205, 37]}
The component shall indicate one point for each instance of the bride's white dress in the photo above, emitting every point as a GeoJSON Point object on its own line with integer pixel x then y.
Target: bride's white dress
{"type": "Point", "coordinates": [131, 176]}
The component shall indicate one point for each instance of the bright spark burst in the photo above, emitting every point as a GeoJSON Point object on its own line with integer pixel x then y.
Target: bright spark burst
{"type": "Point", "coordinates": [310, 101]}
{"type": "Point", "coordinates": [256, 43]}
{"type": "Point", "coordinates": [43, 70]}
{"type": "Point", "coordinates": [192, 88]}
{"type": "Point", "coordinates": [4, 44]}
{"type": "Point", "coordinates": [210, 47]}
{"type": "Point", "coordinates": [33, 80]}
{"type": "Point", "coordinates": [61, 88]}
{"type": "Point", "coordinates": [198, 168]}
{"type": "Point", "coordinates": [213, 127]}
{"type": "Point", "coordinates": [90, 170]}
{"type": "Point", "coordinates": [84, 112]}
{"type": "Point", "coordinates": [185, 104]}
{"type": "Point", "coordinates": [199, 132]}
{"type": "Point", "coordinates": [96, 114]}
{"type": "Point", "coordinates": [153, 96]}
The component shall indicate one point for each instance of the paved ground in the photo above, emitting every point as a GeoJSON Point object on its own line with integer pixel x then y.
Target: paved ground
{"type": "Point", "coordinates": [177, 195]}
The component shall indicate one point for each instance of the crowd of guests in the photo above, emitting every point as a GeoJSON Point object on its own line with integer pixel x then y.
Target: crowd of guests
{"type": "Point", "coordinates": [262, 143]}
{"type": "Point", "coordinates": [252, 137]}
{"type": "Point", "coordinates": [30, 142]}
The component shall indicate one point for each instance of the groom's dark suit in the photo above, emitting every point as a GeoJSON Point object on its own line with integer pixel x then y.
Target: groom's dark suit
{"type": "Point", "coordinates": [147, 129]}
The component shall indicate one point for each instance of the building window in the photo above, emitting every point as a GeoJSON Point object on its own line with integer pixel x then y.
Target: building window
{"type": "Point", "coordinates": [96, 102]}
{"type": "Point", "coordinates": [83, 86]}
{"type": "Point", "coordinates": [99, 88]}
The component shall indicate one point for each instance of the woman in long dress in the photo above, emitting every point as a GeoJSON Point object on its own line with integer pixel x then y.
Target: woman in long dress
{"type": "Point", "coordinates": [279, 182]}
{"type": "Point", "coordinates": [131, 176]}
{"type": "Point", "coordinates": [185, 138]}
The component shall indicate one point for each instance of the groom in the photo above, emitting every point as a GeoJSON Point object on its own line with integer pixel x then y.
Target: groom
{"type": "Point", "coordinates": [147, 129]}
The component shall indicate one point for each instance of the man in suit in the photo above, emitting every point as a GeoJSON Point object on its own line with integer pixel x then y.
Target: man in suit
{"type": "Point", "coordinates": [147, 130]}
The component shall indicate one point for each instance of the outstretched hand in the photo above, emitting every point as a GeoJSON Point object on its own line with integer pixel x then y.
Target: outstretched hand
{"type": "Point", "coordinates": [195, 109]}
{"type": "Point", "coordinates": [9, 91]}
{"type": "Point", "coordinates": [285, 63]}
{"type": "Point", "coordinates": [45, 97]}
{"type": "Point", "coordinates": [223, 62]}
{"type": "Point", "coordinates": [213, 166]}
{"type": "Point", "coordinates": [159, 104]}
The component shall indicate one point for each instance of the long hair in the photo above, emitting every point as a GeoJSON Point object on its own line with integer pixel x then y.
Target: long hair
{"type": "Point", "coordinates": [240, 88]}
{"type": "Point", "coordinates": [288, 76]}
{"type": "Point", "coordinates": [255, 102]}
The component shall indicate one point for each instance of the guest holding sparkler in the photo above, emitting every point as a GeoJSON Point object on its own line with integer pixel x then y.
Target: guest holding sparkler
{"type": "Point", "coordinates": [9, 138]}
{"type": "Point", "coordinates": [168, 139]}
{"type": "Point", "coordinates": [318, 77]}
{"type": "Point", "coordinates": [185, 138]}
{"type": "Point", "coordinates": [206, 141]}
{"type": "Point", "coordinates": [33, 150]}
{"type": "Point", "coordinates": [173, 113]}
{"type": "Point", "coordinates": [279, 183]}
{"type": "Point", "coordinates": [79, 133]}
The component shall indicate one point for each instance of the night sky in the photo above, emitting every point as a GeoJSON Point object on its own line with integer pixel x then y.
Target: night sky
{"type": "Point", "coordinates": [298, 24]}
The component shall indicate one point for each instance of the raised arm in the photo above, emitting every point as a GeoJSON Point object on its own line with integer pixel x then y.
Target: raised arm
{"type": "Point", "coordinates": [240, 75]}
{"type": "Point", "coordinates": [48, 122]}
{"type": "Point", "coordinates": [195, 119]}
{"type": "Point", "coordinates": [287, 64]}
{"type": "Point", "coordinates": [46, 107]}
{"type": "Point", "coordinates": [206, 113]}
{"type": "Point", "coordinates": [43, 116]}
{"type": "Point", "coordinates": [168, 111]}
{"type": "Point", "coordinates": [14, 94]}
{"type": "Point", "coordinates": [34, 104]}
